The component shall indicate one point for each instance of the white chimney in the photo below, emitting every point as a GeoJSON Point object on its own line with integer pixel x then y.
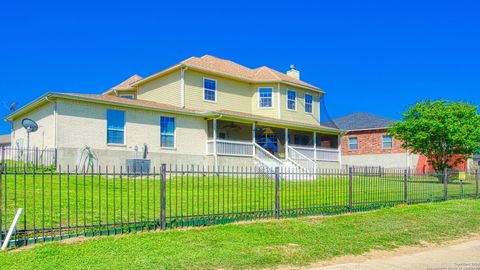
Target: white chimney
{"type": "Point", "coordinates": [293, 72]}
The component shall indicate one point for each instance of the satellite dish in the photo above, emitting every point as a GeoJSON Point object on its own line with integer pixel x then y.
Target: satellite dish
{"type": "Point", "coordinates": [29, 125]}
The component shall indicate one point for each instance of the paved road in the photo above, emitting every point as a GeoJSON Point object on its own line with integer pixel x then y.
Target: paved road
{"type": "Point", "coordinates": [464, 256]}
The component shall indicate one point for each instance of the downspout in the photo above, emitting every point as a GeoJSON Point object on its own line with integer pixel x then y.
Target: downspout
{"type": "Point", "coordinates": [182, 87]}
{"type": "Point", "coordinates": [279, 102]}
{"type": "Point", "coordinates": [54, 121]}
{"type": "Point", "coordinates": [215, 156]}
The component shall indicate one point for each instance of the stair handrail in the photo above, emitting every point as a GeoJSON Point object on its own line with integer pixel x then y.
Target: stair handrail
{"type": "Point", "coordinates": [311, 165]}
{"type": "Point", "coordinates": [266, 153]}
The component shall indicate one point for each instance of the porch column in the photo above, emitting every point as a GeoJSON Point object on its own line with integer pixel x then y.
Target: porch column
{"type": "Point", "coordinates": [215, 142]}
{"type": "Point", "coordinates": [286, 143]}
{"type": "Point", "coordinates": [340, 151]}
{"type": "Point", "coordinates": [315, 147]}
{"type": "Point", "coordinates": [253, 138]}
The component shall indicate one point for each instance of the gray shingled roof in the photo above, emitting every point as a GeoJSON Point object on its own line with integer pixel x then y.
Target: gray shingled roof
{"type": "Point", "coordinates": [362, 120]}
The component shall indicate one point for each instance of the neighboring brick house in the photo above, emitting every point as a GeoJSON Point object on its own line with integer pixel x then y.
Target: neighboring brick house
{"type": "Point", "coordinates": [366, 143]}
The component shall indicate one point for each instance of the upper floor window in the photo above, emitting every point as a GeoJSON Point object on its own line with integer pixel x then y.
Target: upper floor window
{"type": "Point", "coordinates": [129, 96]}
{"type": "Point", "coordinates": [353, 143]}
{"type": "Point", "coordinates": [308, 103]}
{"type": "Point", "coordinates": [209, 89]}
{"type": "Point", "coordinates": [265, 97]}
{"type": "Point", "coordinates": [115, 127]}
{"type": "Point", "coordinates": [387, 142]}
{"type": "Point", "coordinates": [291, 100]}
{"type": "Point", "coordinates": [167, 132]}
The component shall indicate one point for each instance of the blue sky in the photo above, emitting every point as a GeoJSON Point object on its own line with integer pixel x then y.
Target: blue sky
{"type": "Point", "coordinates": [373, 56]}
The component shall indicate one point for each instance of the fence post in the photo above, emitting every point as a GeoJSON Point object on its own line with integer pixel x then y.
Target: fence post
{"type": "Point", "coordinates": [405, 186]}
{"type": "Point", "coordinates": [445, 184]}
{"type": "Point", "coordinates": [55, 160]}
{"type": "Point", "coordinates": [350, 189]}
{"type": "Point", "coordinates": [277, 192]}
{"type": "Point", "coordinates": [163, 200]}
{"type": "Point", "coordinates": [476, 183]}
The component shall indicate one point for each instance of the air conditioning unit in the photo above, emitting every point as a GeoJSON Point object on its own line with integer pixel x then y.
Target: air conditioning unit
{"type": "Point", "coordinates": [138, 166]}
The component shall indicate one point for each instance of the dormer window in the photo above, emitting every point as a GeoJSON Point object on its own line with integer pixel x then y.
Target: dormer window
{"type": "Point", "coordinates": [128, 96]}
{"type": "Point", "coordinates": [209, 90]}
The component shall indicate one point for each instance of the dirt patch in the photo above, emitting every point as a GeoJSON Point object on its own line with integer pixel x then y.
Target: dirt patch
{"type": "Point", "coordinates": [380, 254]}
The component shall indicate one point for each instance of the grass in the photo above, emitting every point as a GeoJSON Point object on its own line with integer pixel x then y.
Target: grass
{"type": "Point", "coordinates": [298, 242]}
{"type": "Point", "coordinates": [51, 200]}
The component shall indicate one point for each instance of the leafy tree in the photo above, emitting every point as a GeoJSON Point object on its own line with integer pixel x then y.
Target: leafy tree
{"type": "Point", "coordinates": [446, 132]}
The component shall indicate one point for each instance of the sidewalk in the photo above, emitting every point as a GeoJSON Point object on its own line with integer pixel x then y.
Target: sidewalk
{"type": "Point", "coordinates": [462, 256]}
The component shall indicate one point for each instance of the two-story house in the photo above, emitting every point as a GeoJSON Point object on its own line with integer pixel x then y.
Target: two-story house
{"type": "Point", "coordinates": [201, 111]}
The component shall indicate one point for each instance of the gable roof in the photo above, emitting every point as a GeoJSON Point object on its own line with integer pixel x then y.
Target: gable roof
{"type": "Point", "coordinates": [361, 121]}
{"type": "Point", "coordinates": [125, 85]}
{"type": "Point", "coordinates": [229, 68]}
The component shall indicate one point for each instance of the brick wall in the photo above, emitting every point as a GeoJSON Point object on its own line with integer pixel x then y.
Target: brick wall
{"type": "Point", "coordinates": [370, 142]}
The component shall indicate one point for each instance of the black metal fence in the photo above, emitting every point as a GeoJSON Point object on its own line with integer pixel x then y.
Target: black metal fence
{"type": "Point", "coordinates": [29, 158]}
{"type": "Point", "coordinates": [73, 202]}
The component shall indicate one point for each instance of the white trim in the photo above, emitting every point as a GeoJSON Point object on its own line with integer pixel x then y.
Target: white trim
{"type": "Point", "coordinates": [305, 103]}
{"type": "Point", "coordinates": [286, 143]}
{"type": "Point", "coordinates": [259, 98]}
{"type": "Point", "coordinates": [174, 132]}
{"type": "Point", "coordinates": [383, 146]}
{"type": "Point", "coordinates": [279, 101]}
{"type": "Point", "coordinates": [315, 146]}
{"type": "Point", "coordinates": [182, 87]}
{"type": "Point", "coordinates": [216, 90]}
{"type": "Point", "coordinates": [296, 97]}
{"type": "Point", "coordinates": [348, 142]}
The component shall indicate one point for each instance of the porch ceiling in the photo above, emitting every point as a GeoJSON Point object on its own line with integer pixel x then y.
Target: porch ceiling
{"type": "Point", "coordinates": [273, 122]}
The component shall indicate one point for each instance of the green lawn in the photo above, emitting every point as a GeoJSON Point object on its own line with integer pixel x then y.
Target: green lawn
{"type": "Point", "coordinates": [299, 241]}
{"type": "Point", "coordinates": [84, 200]}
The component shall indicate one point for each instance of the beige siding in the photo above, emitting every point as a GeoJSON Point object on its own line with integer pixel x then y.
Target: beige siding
{"type": "Point", "coordinates": [44, 137]}
{"type": "Point", "coordinates": [267, 112]}
{"type": "Point", "coordinates": [81, 124]}
{"type": "Point", "coordinates": [231, 95]}
{"type": "Point", "coordinates": [299, 115]}
{"type": "Point", "coordinates": [164, 90]}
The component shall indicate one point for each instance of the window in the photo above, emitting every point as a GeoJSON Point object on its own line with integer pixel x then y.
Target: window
{"type": "Point", "coordinates": [115, 127]}
{"type": "Point", "coordinates": [291, 100]}
{"type": "Point", "coordinates": [387, 142]}
{"type": "Point", "coordinates": [308, 103]}
{"type": "Point", "coordinates": [265, 95]}
{"type": "Point", "coordinates": [128, 96]}
{"type": "Point", "coordinates": [209, 90]}
{"type": "Point", "coordinates": [167, 132]}
{"type": "Point", "coordinates": [353, 143]}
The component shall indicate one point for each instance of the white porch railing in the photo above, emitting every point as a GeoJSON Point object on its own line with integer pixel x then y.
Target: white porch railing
{"type": "Point", "coordinates": [326, 154]}
{"type": "Point", "coordinates": [231, 148]}
{"type": "Point", "coordinates": [266, 158]}
{"type": "Point", "coordinates": [301, 160]}
{"type": "Point", "coordinates": [323, 154]}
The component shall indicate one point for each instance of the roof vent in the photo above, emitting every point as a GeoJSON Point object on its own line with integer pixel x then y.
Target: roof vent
{"type": "Point", "coordinates": [293, 72]}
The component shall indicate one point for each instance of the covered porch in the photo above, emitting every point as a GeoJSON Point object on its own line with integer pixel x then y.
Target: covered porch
{"type": "Point", "coordinates": [234, 138]}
